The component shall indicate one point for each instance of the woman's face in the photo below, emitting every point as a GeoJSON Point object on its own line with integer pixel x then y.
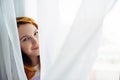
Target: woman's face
{"type": "Point", "coordinates": [28, 35]}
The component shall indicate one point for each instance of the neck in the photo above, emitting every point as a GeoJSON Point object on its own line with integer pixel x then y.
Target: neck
{"type": "Point", "coordinates": [34, 60]}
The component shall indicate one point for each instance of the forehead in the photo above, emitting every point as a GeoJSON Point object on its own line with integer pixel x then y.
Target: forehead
{"type": "Point", "coordinates": [26, 29]}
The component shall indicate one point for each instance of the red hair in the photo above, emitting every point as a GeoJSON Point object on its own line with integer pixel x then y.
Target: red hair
{"type": "Point", "coordinates": [29, 70]}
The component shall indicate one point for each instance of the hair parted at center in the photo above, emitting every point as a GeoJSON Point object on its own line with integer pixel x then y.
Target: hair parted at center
{"type": "Point", "coordinates": [25, 20]}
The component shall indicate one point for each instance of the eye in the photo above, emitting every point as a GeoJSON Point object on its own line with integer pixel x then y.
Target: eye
{"type": "Point", "coordinates": [36, 33]}
{"type": "Point", "coordinates": [26, 39]}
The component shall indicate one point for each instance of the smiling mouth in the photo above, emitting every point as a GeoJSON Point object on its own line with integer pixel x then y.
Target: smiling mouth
{"type": "Point", "coordinates": [36, 48]}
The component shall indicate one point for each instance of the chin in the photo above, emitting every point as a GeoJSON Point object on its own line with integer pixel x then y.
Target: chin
{"type": "Point", "coordinates": [35, 53]}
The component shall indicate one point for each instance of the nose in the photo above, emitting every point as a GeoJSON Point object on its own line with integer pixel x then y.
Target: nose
{"type": "Point", "coordinates": [35, 41]}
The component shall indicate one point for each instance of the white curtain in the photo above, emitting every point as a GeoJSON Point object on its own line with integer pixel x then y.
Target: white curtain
{"type": "Point", "coordinates": [79, 49]}
{"type": "Point", "coordinates": [11, 65]}
{"type": "Point", "coordinates": [70, 58]}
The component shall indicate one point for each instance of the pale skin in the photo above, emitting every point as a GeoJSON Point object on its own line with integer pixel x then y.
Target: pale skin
{"type": "Point", "coordinates": [28, 35]}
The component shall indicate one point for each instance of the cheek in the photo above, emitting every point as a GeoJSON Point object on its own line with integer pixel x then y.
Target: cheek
{"type": "Point", "coordinates": [26, 47]}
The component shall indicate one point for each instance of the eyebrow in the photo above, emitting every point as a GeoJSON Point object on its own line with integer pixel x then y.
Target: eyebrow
{"type": "Point", "coordinates": [27, 35]}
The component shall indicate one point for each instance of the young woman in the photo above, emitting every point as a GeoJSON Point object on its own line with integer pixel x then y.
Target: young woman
{"type": "Point", "coordinates": [28, 36]}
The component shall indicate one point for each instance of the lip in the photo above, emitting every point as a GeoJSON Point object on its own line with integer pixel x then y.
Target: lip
{"type": "Point", "coordinates": [36, 48]}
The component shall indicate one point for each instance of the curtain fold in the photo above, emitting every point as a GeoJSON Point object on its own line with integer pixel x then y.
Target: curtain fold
{"type": "Point", "coordinates": [79, 51]}
{"type": "Point", "coordinates": [48, 16]}
{"type": "Point", "coordinates": [11, 65]}
{"type": "Point", "coordinates": [19, 7]}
